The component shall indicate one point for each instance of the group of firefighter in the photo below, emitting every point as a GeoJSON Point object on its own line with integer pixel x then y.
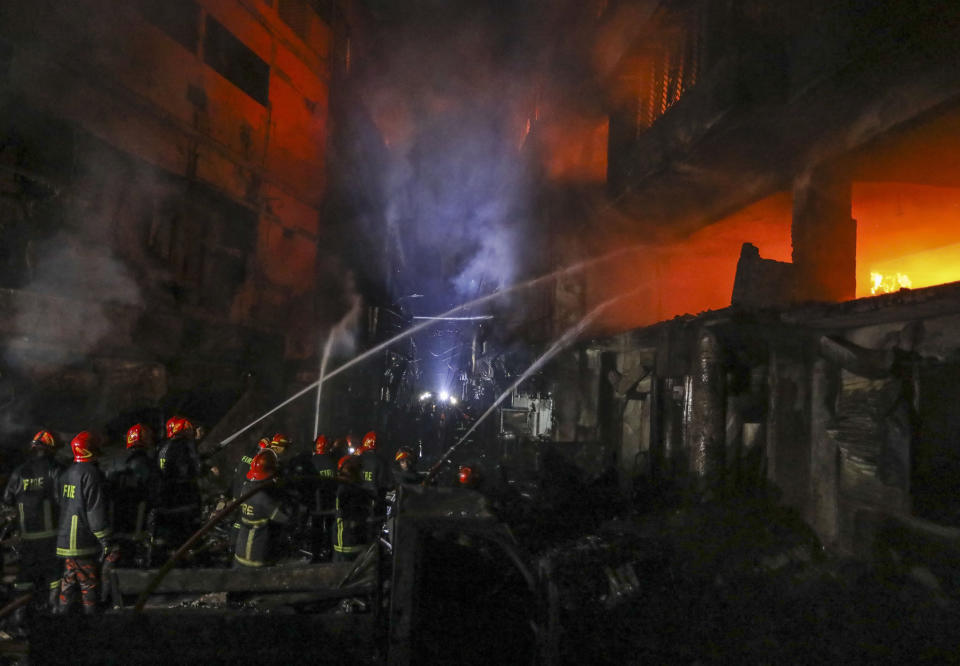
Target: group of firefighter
{"type": "Point", "coordinates": [78, 522]}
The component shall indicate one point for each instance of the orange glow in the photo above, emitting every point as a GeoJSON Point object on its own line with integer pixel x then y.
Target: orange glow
{"type": "Point", "coordinates": [575, 149]}
{"type": "Point", "coordinates": [693, 274]}
{"type": "Point", "coordinates": [887, 284]}
{"type": "Point", "coordinates": [904, 230]}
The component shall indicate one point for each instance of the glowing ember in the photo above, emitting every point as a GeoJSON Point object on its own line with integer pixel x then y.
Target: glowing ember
{"type": "Point", "coordinates": [887, 284]}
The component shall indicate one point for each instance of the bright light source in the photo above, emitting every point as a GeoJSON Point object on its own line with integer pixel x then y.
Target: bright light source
{"type": "Point", "coordinates": [453, 400]}
{"type": "Point", "coordinates": [444, 396]}
{"type": "Point", "coordinates": [425, 396]}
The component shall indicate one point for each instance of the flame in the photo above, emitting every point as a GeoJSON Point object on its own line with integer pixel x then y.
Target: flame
{"type": "Point", "coordinates": [905, 229]}
{"type": "Point", "coordinates": [887, 284]}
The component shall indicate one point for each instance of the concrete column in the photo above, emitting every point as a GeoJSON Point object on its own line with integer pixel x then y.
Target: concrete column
{"type": "Point", "coordinates": [707, 427]}
{"type": "Point", "coordinates": [824, 469]}
{"type": "Point", "coordinates": [824, 237]}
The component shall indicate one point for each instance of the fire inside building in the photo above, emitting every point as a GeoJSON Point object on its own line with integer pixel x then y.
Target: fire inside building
{"type": "Point", "coordinates": [426, 332]}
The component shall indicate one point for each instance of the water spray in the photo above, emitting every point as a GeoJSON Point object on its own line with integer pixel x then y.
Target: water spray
{"type": "Point", "coordinates": [323, 370]}
{"type": "Point", "coordinates": [575, 268]}
{"type": "Point", "coordinates": [568, 337]}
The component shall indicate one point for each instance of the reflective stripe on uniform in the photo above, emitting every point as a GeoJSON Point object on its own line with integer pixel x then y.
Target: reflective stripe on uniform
{"type": "Point", "coordinates": [249, 548]}
{"type": "Point", "coordinates": [35, 536]}
{"type": "Point", "coordinates": [249, 563]}
{"type": "Point", "coordinates": [78, 552]}
{"type": "Point", "coordinates": [46, 533]}
{"type": "Point", "coordinates": [73, 551]}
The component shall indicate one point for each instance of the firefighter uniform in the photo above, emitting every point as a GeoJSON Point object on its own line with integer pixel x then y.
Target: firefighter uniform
{"type": "Point", "coordinates": [324, 500]}
{"type": "Point", "coordinates": [260, 518]}
{"type": "Point", "coordinates": [353, 504]}
{"type": "Point", "coordinates": [32, 489]}
{"type": "Point", "coordinates": [84, 533]}
{"type": "Point", "coordinates": [178, 505]}
{"type": "Point", "coordinates": [133, 482]}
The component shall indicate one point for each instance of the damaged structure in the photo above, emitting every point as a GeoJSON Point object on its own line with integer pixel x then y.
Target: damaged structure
{"type": "Point", "coordinates": [740, 122]}
{"type": "Point", "coordinates": [764, 244]}
{"type": "Point", "coordinates": [162, 169]}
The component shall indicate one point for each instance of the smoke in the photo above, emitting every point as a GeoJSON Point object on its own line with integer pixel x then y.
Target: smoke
{"type": "Point", "coordinates": [468, 99]}
{"type": "Point", "coordinates": [69, 301]}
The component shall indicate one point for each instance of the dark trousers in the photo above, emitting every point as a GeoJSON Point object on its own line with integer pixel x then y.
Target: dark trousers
{"type": "Point", "coordinates": [39, 568]}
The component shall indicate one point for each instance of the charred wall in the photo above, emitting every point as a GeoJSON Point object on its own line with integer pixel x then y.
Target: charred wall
{"type": "Point", "coordinates": [163, 171]}
{"type": "Point", "coordinates": [845, 410]}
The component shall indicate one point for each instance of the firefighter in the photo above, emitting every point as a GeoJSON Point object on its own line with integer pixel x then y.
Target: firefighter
{"type": "Point", "coordinates": [178, 505]}
{"type": "Point", "coordinates": [373, 473]}
{"type": "Point", "coordinates": [375, 478]}
{"type": "Point", "coordinates": [260, 515]}
{"type": "Point", "coordinates": [240, 479]}
{"type": "Point", "coordinates": [32, 489]}
{"type": "Point", "coordinates": [405, 471]}
{"type": "Point", "coordinates": [324, 464]}
{"type": "Point", "coordinates": [353, 510]}
{"type": "Point", "coordinates": [84, 539]}
{"type": "Point", "coordinates": [133, 483]}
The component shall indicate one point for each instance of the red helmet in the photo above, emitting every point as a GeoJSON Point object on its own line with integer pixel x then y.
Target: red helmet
{"type": "Point", "coordinates": [320, 447]}
{"type": "Point", "coordinates": [264, 466]}
{"type": "Point", "coordinates": [177, 426]}
{"type": "Point", "coordinates": [85, 447]}
{"type": "Point", "coordinates": [264, 443]}
{"type": "Point", "coordinates": [403, 453]}
{"type": "Point", "coordinates": [369, 442]}
{"type": "Point", "coordinates": [139, 437]}
{"type": "Point", "coordinates": [466, 475]}
{"type": "Point", "coordinates": [279, 442]}
{"type": "Point", "coordinates": [44, 440]}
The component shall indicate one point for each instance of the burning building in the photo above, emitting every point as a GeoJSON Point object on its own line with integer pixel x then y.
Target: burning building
{"type": "Point", "coordinates": [772, 171]}
{"type": "Point", "coordinates": [748, 205]}
{"type": "Point", "coordinates": [163, 171]}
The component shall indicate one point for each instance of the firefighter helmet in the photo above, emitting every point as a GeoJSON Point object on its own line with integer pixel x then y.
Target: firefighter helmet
{"type": "Point", "coordinates": [44, 440]}
{"type": "Point", "coordinates": [264, 466]}
{"type": "Point", "coordinates": [369, 442]}
{"type": "Point", "coordinates": [139, 436]}
{"type": "Point", "coordinates": [466, 475]}
{"type": "Point", "coordinates": [279, 443]}
{"type": "Point", "coordinates": [264, 443]}
{"type": "Point", "coordinates": [403, 453]}
{"type": "Point", "coordinates": [177, 426]}
{"type": "Point", "coordinates": [85, 447]}
{"type": "Point", "coordinates": [321, 446]}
